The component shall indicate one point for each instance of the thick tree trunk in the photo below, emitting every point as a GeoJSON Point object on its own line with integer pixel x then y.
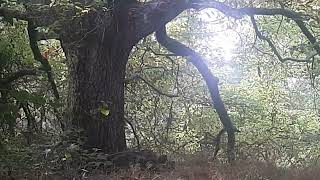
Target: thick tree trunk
{"type": "Point", "coordinates": [96, 79]}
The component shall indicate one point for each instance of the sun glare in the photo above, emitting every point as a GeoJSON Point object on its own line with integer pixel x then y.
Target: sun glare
{"type": "Point", "coordinates": [225, 37]}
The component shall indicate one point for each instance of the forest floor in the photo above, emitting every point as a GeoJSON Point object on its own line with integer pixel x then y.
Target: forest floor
{"type": "Point", "coordinates": [244, 170]}
{"type": "Point", "coordinates": [196, 170]}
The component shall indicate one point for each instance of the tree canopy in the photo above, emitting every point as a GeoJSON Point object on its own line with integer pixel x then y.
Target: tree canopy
{"type": "Point", "coordinates": [86, 78]}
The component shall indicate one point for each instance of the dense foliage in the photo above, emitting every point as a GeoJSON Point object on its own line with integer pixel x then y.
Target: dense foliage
{"type": "Point", "coordinates": [273, 103]}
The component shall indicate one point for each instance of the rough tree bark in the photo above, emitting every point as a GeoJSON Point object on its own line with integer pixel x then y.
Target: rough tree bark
{"type": "Point", "coordinates": [97, 64]}
{"type": "Point", "coordinates": [96, 76]}
{"type": "Point", "coordinates": [97, 43]}
{"type": "Point", "coordinates": [97, 59]}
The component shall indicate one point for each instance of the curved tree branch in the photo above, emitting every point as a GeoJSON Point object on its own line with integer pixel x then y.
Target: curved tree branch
{"type": "Point", "coordinates": [134, 133]}
{"type": "Point", "coordinates": [309, 35]}
{"type": "Point", "coordinates": [41, 15]}
{"type": "Point", "coordinates": [16, 75]}
{"type": "Point", "coordinates": [13, 13]}
{"type": "Point", "coordinates": [156, 13]}
{"type": "Point", "coordinates": [44, 62]}
{"type": "Point", "coordinates": [274, 48]}
{"type": "Point", "coordinates": [211, 81]}
{"type": "Point", "coordinates": [145, 18]}
{"type": "Point", "coordinates": [151, 86]}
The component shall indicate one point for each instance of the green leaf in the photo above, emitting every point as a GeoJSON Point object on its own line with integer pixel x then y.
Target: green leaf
{"type": "Point", "coordinates": [8, 113]}
{"type": "Point", "coordinates": [104, 110]}
{"type": "Point", "coordinates": [24, 96]}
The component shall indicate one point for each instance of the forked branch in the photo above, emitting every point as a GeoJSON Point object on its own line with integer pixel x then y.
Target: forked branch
{"type": "Point", "coordinates": [157, 13]}
{"type": "Point", "coordinates": [274, 48]}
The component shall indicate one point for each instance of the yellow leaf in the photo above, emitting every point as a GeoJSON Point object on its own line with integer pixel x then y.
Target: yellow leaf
{"type": "Point", "coordinates": [104, 110]}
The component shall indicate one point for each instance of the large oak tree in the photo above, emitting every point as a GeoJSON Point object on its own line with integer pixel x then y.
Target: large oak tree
{"type": "Point", "coordinates": [97, 39]}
